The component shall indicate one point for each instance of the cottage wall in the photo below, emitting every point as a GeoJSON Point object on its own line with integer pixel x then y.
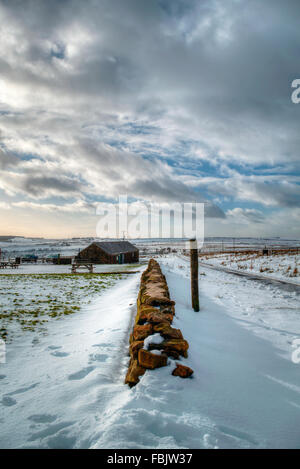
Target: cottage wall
{"type": "Point", "coordinates": [96, 255]}
{"type": "Point", "coordinates": [131, 257]}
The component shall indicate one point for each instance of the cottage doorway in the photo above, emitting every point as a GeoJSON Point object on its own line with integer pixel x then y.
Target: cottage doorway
{"type": "Point", "coordinates": [121, 259]}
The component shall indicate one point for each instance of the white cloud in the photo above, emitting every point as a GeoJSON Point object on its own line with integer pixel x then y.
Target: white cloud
{"type": "Point", "coordinates": [4, 206]}
{"type": "Point", "coordinates": [75, 207]}
{"type": "Point", "coordinates": [245, 216]}
{"type": "Point", "coordinates": [158, 100]}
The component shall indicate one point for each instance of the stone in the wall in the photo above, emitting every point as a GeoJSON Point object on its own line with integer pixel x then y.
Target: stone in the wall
{"type": "Point", "coordinates": [151, 360]}
{"type": "Point", "coordinates": [170, 309]}
{"type": "Point", "coordinates": [180, 346]}
{"type": "Point", "coordinates": [156, 294]}
{"type": "Point", "coordinates": [182, 371]}
{"type": "Point", "coordinates": [135, 347]}
{"type": "Point", "coordinates": [157, 317]}
{"type": "Point", "coordinates": [141, 332]}
{"type": "Point", "coordinates": [133, 373]}
{"type": "Point", "coordinates": [143, 312]}
{"type": "Point", "coordinates": [167, 331]}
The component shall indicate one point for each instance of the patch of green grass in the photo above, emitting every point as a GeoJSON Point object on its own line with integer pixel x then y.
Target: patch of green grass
{"type": "Point", "coordinates": [29, 301]}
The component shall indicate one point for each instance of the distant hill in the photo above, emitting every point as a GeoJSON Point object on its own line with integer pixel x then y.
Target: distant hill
{"type": "Point", "coordinates": [9, 238]}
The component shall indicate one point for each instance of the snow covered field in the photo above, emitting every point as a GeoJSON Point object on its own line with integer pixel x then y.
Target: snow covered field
{"type": "Point", "coordinates": [65, 269]}
{"type": "Point", "coordinates": [283, 267]}
{"type": "Point", "coordinates": [19, 246]}
{"type": "Point", "coordinates": [66, 389]}
{"type": "Point", "coordinates": [28, 302]}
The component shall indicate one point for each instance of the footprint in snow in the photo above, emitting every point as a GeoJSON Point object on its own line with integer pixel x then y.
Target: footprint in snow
{"type": "Point", "coordinates": [50, 430]}
{"type": "Point", "coordinates": [42, 418]}
{"type": "Point", "coordinates": [54, 347]}
{"type": "Point", "coordinates": [2, 376]}
{"type": "Point", "coordinates": [60, 354]}
{"type": "Point", "coordinates": [98, 357]}
{"type": "Point", "coordinates": [61, 441]}
{"type": "Point", "coordinates": [81, 374]}
{"type": "Point", "coordinates": [8, 401]}
{"type": "Point", "coordinates": [98, 332]}
{"type": "Point", "coordinates": [102, 345]}
{"type": "Point", "coordinates": [22, 390]}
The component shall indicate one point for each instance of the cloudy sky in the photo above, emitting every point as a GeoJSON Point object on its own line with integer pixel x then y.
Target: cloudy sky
{"type": "Point", "coordinates": [162, 100]}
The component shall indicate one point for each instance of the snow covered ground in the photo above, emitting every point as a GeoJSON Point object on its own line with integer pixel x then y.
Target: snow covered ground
{"type": "Point", "coordinates": [283, 267]}
{"type": "Point", "coordinates": [11, 247]}
{"type": "Point", "coordinates": [58, 390]}
{"type": "Point", "coordinates": [28, 302]}
{"type": "Point", "coordinates": [64, 269]}
{"type": "Point", "coordinates": [66, 389]}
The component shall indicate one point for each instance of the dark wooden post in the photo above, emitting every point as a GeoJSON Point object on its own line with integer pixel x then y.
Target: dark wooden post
{"type": "Point", "coordinates": [194, 275]}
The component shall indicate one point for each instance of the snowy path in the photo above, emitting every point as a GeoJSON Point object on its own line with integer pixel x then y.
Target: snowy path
{"type": "Point", "coordinates": [286, 284]}
{"type": "Point", "coordinates": [67, 390]}
{"type": "Point", "coordinates": [281, 268]}
{"type": "Point", "coordinates": [55, 392]}
{"type": "Point", "coordinates": [248, 387]}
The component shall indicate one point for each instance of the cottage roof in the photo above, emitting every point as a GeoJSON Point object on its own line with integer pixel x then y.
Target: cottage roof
{"type": "Point", "coordinates": [116, 247]}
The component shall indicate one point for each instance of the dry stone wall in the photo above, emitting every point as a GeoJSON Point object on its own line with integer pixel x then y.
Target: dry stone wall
{"type": "Point", "coordinates": [155, 312]}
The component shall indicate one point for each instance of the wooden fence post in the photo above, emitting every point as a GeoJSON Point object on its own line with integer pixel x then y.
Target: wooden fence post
{"type": "Point", "coordinates": [194, 275]}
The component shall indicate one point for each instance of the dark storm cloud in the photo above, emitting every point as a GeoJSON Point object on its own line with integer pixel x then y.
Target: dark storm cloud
{"type": "Point", "coordinates": [282, 194]}
{"type": "Point", "coordinates": [130, 174]}
{"type": "Point", "coordinates": [7, 160]}
{"type": "Point", "coordinates": [37, 186]}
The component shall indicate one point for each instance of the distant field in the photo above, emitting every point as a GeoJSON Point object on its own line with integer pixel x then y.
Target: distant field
{"type": "Point", "coordinates": [285, 267]}
{"type": "Point", "coordinates": [28, 302]}
{"type": "Point", "coordinates": [40, 268]}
